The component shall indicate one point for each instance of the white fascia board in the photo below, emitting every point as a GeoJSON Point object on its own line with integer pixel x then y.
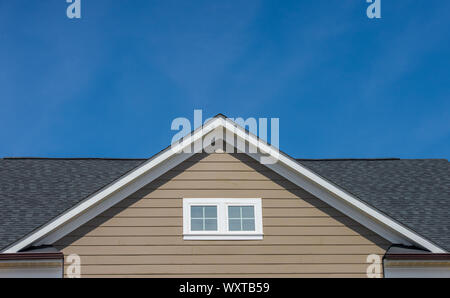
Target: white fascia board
{"type": "Point", "coordinates": [112, 200]}
{"type": "Point", "coordinates": [320, 183]}
{"type": "Point", "coordinates": [298, 174]}
{"type": "Point", "coordinates": [115, 190]}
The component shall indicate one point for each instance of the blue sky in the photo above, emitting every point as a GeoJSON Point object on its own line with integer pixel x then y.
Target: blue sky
{"type": "Point", "coordinates": [110, 84]}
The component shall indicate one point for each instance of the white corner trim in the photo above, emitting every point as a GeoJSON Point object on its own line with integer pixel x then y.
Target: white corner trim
{"type": "Point", "coordinates": [222, 232]}
{"type": "Point", "coordinates": [285, 166]}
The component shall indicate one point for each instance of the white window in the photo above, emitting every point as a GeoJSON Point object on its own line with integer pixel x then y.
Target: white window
{"type": "Point", "coordinates": [222, 219]}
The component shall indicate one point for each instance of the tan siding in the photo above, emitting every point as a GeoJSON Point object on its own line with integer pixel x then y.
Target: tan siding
{"type": "Point", "coordinates": [273, 241]}
{"type": "Point", "coordinates": [222, 184]}
{"type": "Point", "coordinates": [220, 166]}
{"type": "Point", "coordinates": [175, 231]}
{"type": "Point", "coordinates": [168, 203]}
{"type": "Point", "coordinates": [119, 247]}
{"type": "Point", "coordinates": [176, 222]}
{"type": "Point", "coordinates": [224, 275]}
{"type": "Point", "coordinates": [226, 259]}
{"type": "Point", "coordinates": [222, 175]}
{"type": "Point", "coordinates": [229, 193]}
{"type": "Point", "coordinates": [176, 212]}
{"type": "Point", "coordinates": [224, 268]}
{"type": "Point", "coordinates": [142, 235]}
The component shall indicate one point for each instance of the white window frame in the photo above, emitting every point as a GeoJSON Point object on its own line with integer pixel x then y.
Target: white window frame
{"type": "Point", "coordinates": [222, 232]}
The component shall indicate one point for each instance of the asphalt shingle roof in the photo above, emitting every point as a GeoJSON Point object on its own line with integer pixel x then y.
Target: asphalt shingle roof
{"type": "Point", "coordinates": [34, 191]}
{"type": "Point", "coordinates": [416, 193]}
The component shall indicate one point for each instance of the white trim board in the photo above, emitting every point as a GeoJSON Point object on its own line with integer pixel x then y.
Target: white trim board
{"type": "Point", "coordinates": [222, 232]}
{"type": "Point", "coordinates": [167, 159]}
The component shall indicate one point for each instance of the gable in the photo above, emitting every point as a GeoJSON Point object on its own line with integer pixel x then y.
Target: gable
{"type": "Point", "coordinates": [143, 234]}
{"type": "Point", "coordinates": [279, 162]}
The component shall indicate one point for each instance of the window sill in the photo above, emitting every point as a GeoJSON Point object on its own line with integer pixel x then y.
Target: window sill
{"type": "Point", "coordinates": [223, 237]}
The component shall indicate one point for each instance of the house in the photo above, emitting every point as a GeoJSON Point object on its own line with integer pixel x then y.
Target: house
{"type": "Point", "coordinates": [191, 213]}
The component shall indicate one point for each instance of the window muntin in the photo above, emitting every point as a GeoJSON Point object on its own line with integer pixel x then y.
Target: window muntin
{"type": "Point", "coordinates": [203, 218]}
{"type": "Point", "coordinates": [241, 218]}
{"type": "Point", "coordinates": [222, 219]}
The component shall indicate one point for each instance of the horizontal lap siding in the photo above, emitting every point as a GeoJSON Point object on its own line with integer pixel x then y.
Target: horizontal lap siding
{"type": "Point", "coordinates": [142, 235]}
{"type": "Point", "coordinates": [224, 268]}
{"type": "Point", "coordinates": [101, 231]}
{"type": "Point", "coordinates": [223, 275]}
{"type": "Point", "coordinates": [241, 248]}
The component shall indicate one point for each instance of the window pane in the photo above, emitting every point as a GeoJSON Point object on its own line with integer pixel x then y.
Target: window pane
{"type": "Point", "coordinates": [241, 218]}
{"type": "Point", "coordinates": [234, 225]}
{"type": "Point", "coordinates": [196, 212]}
{"type": "Point", "coordinates": [248, 212]}
{"type": "Point", "coordinates": [197, 225]}
{"type": "Point", "coordinates": [248, 224]}
{"type": "Point", "coordinates": [211, 212]}
{"type": "Point", "coordinates": [203, 218]}
{"type": "Point", "coordinates": [234, 212]}
{"type": "Point", "coordinates": [211, 225]}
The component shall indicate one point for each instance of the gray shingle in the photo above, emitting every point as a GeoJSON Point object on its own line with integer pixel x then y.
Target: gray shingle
{"type": "Point", "coordinates": [34, 191]}
{"type": "Point", "coordinates": [415, 193]}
